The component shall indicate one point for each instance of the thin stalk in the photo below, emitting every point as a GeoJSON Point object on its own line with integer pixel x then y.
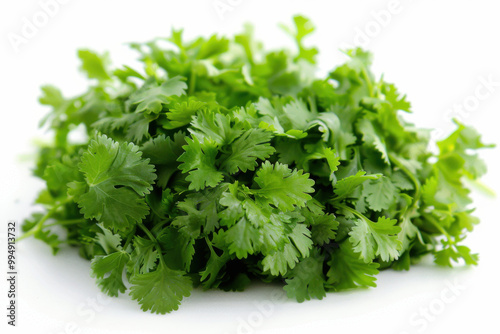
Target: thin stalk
{"type": "Point", "coordinates": [129, 239]}
{"type": "Point", "coordinates": [209, 244]}
{"type": "Point", "coordinates": [192, 81]}
{"type": "Point", "coordinates": [153, 239]}
{"type": "Point", "coordinates": [39, 225]}
{"type": "Point", "coordinates": [438, 226]}
{"type": "Point", "coordinates": [67, 222]}
{"type": "Point", "coordinates": [416, 182]}
{"type": "Point", "coordinates": [354, 212]}
{"type": "Point", "coordinates": [452, 243]}
{"type": "Point", "coordinates": [480, 186]}
{"type": "Point", "coordinates": [369, 83]}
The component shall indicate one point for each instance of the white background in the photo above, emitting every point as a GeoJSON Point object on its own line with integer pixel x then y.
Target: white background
{"type": "Point", "coordinates": [435, 51]}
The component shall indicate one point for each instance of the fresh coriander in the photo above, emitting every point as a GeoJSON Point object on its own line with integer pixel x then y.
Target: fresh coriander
{"type": "Point", "coordinates": [218, 162]}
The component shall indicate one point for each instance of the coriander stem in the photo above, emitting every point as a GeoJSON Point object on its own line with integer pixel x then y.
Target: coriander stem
{"type": "Point", "coordinates": [153, 239]}
{"type": "Point", "coordinates": [452, 243]}
{"type": "Point", "coordinates": [67, 222]}
{"type": "Point", "coordinates": [416, 182]}
{"type": "Point", "coordinates": [209, 244]}
{"type": "Point", "coordinates": [368, 81]}
{"type": "Point", "coordinates": [192, 81]}
{"type": "Point", "coordinates": [39, 225]}
{"type": "Point", "coordinates": [433, 221]}
{"type": "Point", "coordinates": [129, 239]}
{"type": "Point", "coordinates": [480, 186]}
{"type": "Point", "coordinates": [351, 210]}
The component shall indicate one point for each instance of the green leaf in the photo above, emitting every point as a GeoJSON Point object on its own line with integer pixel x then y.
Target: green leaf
{"type": "Point", "coordinates": [108, 241]}
{"type": "Point", "coordinates": [397, 101]}
{"type": "Point", "coordinates": [151, 99]}
{"type": "Point", "coordinates": [214, 127]}
{"type": "Point", "coordinates": [301, 238]}
{"type": "Point", "coordinates": [214, 46]}
{"type": "Point", "coordinates": [163, 152]}
{"type": "Point", "coordinates": [59, 175]}
{"type": "Point", "coordinates": [306, 280]}
{"type": "Point", "coordinates": [372, 239]}
{"type": "Point", "coordinates": [182, 109]}
{"type": "Point", "coordinates": [336, 132]}
{"type": "Point", "coordinates": [324, 229]}
{"type": "Point", "coordinates": [303, 27]}
{"type": "Point", "coordinates": [282, 187]}
{"type": "Point", "coordinates": [252, 145]}
{"type": "Point", "coordinates": [448, 255]}
{"type": "Point", "coordinates": [408, 232]}
{"type": "Point", "coordinates": [52, 96]}
{"type": "Point", "coordinates": [178, 248]}
{"type": "Point", "coordinates": [212, 272]}
{"type": "Point", "coordinates": [117, 179]}
{"type": "Point", "coordinates": [280, 260]}
{"type": "Point", "coordinates": [201, 210]}
{"type": "Point", "coordinates": [348, 271]}
{"type": "Point", "coordinates": [111, 266]}
{"type": "Point", "coordinates": [160, 291]}
{"type": "Point", "coordinates": [144, 256]}
{"type": "Point", "coordinates": [380, 194]}
{"type": "Point", "coordinates": [243, 239]}
{"type": "Point", "coordinates": [346, 186]}
{"type": "Point", "coordinates": [292, 118]}
{"type": "Point", "coordinates": [373, 136]}
{"type": "Point", "coordinates": [198, 160]}
{"type": "Point", "coordinates": [95, 66]}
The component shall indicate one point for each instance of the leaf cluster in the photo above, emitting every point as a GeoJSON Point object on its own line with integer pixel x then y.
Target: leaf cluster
{"type": "Point", "coordinates": [218, 162]}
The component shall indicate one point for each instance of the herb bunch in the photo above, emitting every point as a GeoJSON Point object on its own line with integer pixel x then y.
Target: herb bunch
{"type": "Point", "coordinates": [219, 162]}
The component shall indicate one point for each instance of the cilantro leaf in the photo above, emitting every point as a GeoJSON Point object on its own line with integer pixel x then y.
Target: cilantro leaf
{"type": "Point", "coordinates": [163, 152]}
{"type": "Point", "coordinates": [283, 187]}
{"type": "Point", "coordinates": [151, 99]}
{"type": "Point", "coordinates": [243, 238]}
{"type": "Point", "coordinates": [306, 280]}
{"type": "Point", "coordinates": [201, 213]}
{"type": "Point", "coordinates": [348, 271]}
{"type": "Point", "coordinates": [346, 186]}
{"type": "Point", "coordinates": [160, 291]}
{"type": "Point", "coordinates": [144, 256]}
{"type": "Point", "coordinates": [111, 265]}
{"type": "Point", "coordinates": [94, 65]}
{"type": "Point", "coordinates": [198, 160]}
{"type": "Point", "coordinates": [299, 245]}
{"type": "Point", "coordinates": [253, 144]}
{"type": "Point", "coordinates": [380, 194]}
{"type": "Point", "coordinates": [117, 179]}
{"type": "Point", "coordinates": [372, 239]}
{"type": "Point", "coordinates": [215, 127]}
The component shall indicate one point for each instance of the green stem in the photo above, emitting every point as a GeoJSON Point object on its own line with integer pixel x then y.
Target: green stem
{"type": "Point", "coordinates": [452, 243]}
{"type": "Point", "coordinates": [438, 226]}
{"type": "Point", "coordinates": [153, 239]}
{"type": "Point", "coordinates": [38, 227]}
{"type": "Point", "coordinates": [416, 182]}
{"type": "Point", "coordinates": [154, 211]}
{"type": "Point", "coordinates": [369, 83]}
{"type": "Point", "coordinates": [129, 239]}
{"type": "Point", "coordinates": [67, 222]}
{"type": "Point", "coordinates": [480, 186]}
{"type": "Point", "coordinates": [354, 212]}
{"type": "Point", "coordinates": [192, 81]}
{"type": "Point", "coordinates": [209, 244]}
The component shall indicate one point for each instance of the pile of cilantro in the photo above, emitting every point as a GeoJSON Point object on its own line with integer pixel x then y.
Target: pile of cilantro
{"type": "Point", "coordinates": [215, 163]}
